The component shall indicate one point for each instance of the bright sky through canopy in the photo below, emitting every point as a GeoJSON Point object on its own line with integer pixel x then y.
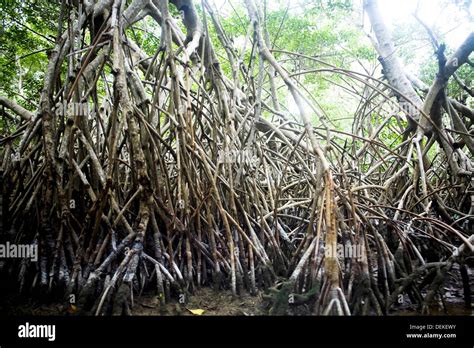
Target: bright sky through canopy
{"type": "Point", "coordinates": [443, 15]}
{"type": "Point", "coordinates": [434, 13]}
{"type": "Point", "coordinates": [450, 20]}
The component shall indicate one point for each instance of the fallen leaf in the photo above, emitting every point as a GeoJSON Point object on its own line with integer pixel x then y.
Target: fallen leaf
{"type": "Point", "coordinates": [72, 309]}
{"type": "Point", "coordinates": [197, 311]}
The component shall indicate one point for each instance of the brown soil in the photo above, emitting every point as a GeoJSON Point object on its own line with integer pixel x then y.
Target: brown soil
{"type": "Point", "coordinates": [211, 301]}
{"type": "Point", "coordinates": [214, 303]}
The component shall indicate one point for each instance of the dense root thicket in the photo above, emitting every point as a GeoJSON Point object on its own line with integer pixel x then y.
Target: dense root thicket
{"type": "Point", "coordinates": [165, 174]}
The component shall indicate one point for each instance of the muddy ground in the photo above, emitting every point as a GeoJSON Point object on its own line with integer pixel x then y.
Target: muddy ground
{"type": "Point", "coordinates": [222, 303]}
{"type": "Point", "coordinates": [212, 302]}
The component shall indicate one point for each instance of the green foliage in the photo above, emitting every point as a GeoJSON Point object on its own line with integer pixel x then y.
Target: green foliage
{"type": "Point", "coordinates": [314, 28]}
{"type": "Point", "coordinates": [29, 29]}
{"type": "Point", "coordinates": [147, 35]}
{"type": "Point", "coordinates": [387, 135]}
{"type": "Point", "coordinates": [323, 29]}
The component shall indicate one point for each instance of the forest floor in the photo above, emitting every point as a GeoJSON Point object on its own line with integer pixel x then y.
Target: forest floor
{"type": "Point", "coordinates": [213, 302]}
{"type": "Point", "coordinates": [221, 303]}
